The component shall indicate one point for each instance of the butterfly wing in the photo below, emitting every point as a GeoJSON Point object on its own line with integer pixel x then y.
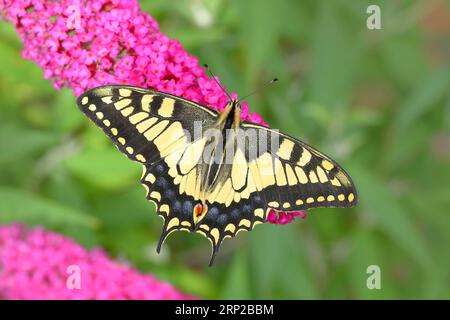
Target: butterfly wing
{"type": "Point", "coordinates": [146, 125]}
{"type": "Point", "coordinates": [157, 130]}
{"type": "Point", "coordinates": [291, 175]}
{"type": "Point", "coordinates": [270, 170]}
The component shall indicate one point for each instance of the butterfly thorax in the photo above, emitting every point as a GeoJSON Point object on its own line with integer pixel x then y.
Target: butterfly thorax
{"type": "Point", "coordinates": [214, 158]}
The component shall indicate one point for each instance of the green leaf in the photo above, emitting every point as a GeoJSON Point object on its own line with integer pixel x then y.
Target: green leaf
{"type": "Point", "coordinates": [104, 168]}
{"type": "Point", "coordinates": [21, 206]}
{"type": "Point", "coordinates": [18, 70]}
{"type": "Point", "coordinates": [392, 219]}
{"type": "Point", "coordinates": [196, 283]}
{"type": "Point", "coordinates": [403, 56]}
{"type": "Point", "coordinates": [112, 206]}
{"type": "Point", "coordinates": [192, 38]}
{"type": "Point", "coordinates": [278, 263]}
{"type": "Point", "coordinates": [336, 52]}
{"type": "Point", "coordinates": [237, 283]}
{"type": "Point", "coordinates": [62, 187]}
{"type": "Point", "coordinates": [19, 142]}
{"type": "Point", "coordinates": [425, 96]}
{"type": "Point", "coordinates": [67, 117]}
{"type": "Point", "coordinates": [259, 32]}
{"type": "Point", "coordinates": [367, 250]}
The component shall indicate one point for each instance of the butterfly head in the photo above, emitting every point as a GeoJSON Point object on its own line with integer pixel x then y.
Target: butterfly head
{"type": "Point", "coordinates": [231, 115]}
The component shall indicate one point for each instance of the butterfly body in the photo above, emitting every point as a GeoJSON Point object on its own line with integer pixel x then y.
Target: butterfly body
{"type": "Point", "coordinates": [210, 172]}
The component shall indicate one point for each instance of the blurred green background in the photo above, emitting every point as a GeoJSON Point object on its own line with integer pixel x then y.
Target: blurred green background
{"type": "Point", "coordinates": [378, 101]}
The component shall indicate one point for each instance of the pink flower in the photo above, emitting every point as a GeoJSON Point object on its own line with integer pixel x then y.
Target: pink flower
{"type": "Point", "coordinates": [281, 217]}
{"type": "Point", "coordinates": [38, 264]}
{"type": "Point", "coordinates": [113, 42]}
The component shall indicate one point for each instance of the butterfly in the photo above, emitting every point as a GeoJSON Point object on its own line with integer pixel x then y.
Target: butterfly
{"type": "Point", "coordinates": [210, 172]}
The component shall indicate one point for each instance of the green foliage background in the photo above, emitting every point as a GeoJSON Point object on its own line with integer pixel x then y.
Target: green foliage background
{"type": "Point", "coordinates": [377, 101]}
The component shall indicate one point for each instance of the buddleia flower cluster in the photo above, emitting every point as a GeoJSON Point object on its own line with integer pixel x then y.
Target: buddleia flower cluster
{"type": "Point", "coordinates": [84, 44]}
{"type": "Point", "coordinates": [39, 264]}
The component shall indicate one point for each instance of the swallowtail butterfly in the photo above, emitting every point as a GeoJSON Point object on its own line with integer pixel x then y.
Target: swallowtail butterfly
{"type": "Point", "coordinates": [222, 180]}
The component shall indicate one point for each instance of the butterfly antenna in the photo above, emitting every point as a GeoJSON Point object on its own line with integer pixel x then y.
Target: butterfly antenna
{"type": "Point", "coordinates": [214, 78]}
{"type": "Point", "coordinates": [259, 89]}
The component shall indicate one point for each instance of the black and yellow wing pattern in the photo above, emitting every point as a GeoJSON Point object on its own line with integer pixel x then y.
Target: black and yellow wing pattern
{"type": "Point", "coordinates": [153, 129]}
{"type": "Point", "coordinates": [157, 129]}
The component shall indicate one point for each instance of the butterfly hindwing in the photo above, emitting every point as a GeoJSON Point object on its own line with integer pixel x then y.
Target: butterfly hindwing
{"type": "Point", "coordinates": [175, 209]}
{"type": "Point", "coordinates": [187, 172]}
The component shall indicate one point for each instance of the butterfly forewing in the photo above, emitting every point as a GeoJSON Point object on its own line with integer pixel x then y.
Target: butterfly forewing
{"type": "Point", "coordinates": [142, 123]}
